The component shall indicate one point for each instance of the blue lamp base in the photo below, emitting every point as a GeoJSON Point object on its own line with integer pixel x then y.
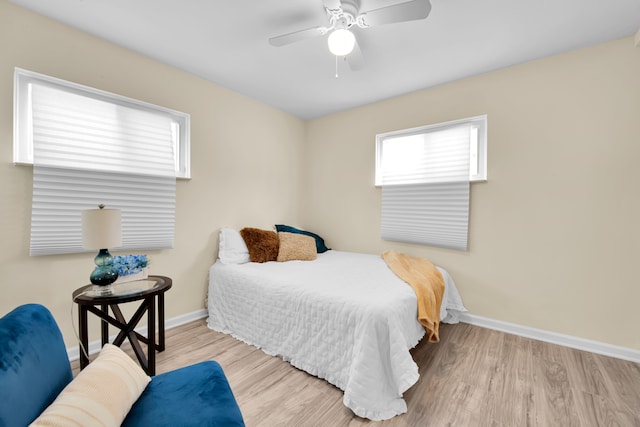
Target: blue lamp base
{"type": "Point", "coordinates": [104, 274]}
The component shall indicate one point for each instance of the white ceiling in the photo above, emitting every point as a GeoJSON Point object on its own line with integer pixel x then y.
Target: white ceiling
{"type": "Point", "coordinates": [225, 42]}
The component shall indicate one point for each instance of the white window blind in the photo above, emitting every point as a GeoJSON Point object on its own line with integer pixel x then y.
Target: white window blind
{"type": "Point", "coordinates": [60, 195]}
{"type": "Point", "coordinates": [389, 154]}
{"type": "Point", "coordinates": [425, 176]}
{"type": "Point", "coordinates": [89, 151]}
{"type": "Point", "coordinates": [439, 156]}
{"type": "Point", "coordinates": [23, 126]}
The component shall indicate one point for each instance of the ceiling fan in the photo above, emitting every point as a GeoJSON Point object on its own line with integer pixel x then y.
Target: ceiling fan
{"type": "Point", "coordinates": [344, 14]}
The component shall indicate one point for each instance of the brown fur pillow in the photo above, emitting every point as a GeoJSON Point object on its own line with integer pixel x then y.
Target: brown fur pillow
{"type": "Point", "coordinates": [263, 245]}
{"type": "Point", "coordinates": [296, 247]}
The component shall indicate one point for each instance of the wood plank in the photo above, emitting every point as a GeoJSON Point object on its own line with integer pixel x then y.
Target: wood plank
{"type": "Point", "coordinates": [472, 377]}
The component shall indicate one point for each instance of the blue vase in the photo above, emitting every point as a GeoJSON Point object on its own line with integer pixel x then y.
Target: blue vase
{"type": "Point", "coordinates": [104, 273]}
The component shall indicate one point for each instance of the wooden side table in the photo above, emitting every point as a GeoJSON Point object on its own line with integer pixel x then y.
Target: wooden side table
{"type": "Point", "coordinates": [148, 290]}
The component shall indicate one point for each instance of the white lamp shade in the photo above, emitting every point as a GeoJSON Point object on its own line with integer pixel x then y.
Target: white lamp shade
{"type": "Point", "coordinates": [101, 228]}
{"type": "Point", "coordinates": [341, 42]}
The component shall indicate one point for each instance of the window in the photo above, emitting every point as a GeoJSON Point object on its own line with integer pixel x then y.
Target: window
{"type": "Point", "coordinates": [403, 150]}
{"type": "Point", "coordinates": [425, 174]}
{"type": "Point", "coordinates": [25, 81]}
{"type": "Point", "coordinates": [90, 147]}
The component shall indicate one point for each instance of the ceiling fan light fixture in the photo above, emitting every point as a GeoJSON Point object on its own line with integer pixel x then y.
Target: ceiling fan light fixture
{"type": "Point", "coordinates": [341, 42]}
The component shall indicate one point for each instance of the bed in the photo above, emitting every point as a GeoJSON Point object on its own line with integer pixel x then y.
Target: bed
{"type": "Point", "coordinates": [344, 317]}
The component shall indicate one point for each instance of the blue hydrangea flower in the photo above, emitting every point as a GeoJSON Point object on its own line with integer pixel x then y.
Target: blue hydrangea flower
{"type": "Point", "coordinates": [129, 264]}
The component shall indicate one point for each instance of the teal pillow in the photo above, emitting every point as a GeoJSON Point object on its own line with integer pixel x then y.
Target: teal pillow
{"type": "Point", "coordinates": [320, 246]}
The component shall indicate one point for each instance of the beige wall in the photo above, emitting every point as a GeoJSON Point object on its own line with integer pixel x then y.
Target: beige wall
{"type": "Point", "coordinates": [554, 233]}
{"type": "Point", "coordinates": [245, 159]}
{"type": "Point", "coordinates": [554, 236]}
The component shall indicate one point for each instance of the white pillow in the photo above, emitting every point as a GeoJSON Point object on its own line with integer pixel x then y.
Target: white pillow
{"type": "Point", "coordinates": [232, 249]}
{"type": "Point", "coordinates": [100, 396]}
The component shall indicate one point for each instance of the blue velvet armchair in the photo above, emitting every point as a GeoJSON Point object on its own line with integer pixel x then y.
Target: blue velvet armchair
{"type": "Point", "coordinates": [34, 368]}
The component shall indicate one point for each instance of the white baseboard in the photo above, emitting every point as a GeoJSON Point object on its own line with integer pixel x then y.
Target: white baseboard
{"type": "Point", "coordinates": [553, 337]}
{"type": "Point", "coordinates": [498, 325]}
{"type": "Point", "coordinates": [94, 346]}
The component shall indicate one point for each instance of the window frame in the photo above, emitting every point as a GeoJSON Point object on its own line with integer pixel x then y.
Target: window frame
{"type": "Point", "coordinates": [22, 124]}
{"type": "Point", "coordinates": [480, 148]}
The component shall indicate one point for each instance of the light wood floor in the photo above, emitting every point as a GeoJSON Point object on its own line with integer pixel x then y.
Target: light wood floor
{"type": "Point", "coordinates": [472, 377]}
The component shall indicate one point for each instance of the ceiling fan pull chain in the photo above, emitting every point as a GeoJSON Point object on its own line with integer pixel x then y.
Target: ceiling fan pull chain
{"type": "Point", "coordinates": [336, 66]}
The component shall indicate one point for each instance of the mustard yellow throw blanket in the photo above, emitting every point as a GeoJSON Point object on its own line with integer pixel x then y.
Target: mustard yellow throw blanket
{"type": "Point", "coordinates": [427, 283]}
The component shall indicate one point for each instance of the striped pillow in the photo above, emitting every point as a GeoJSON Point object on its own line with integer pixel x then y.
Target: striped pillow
{"type": "Point", "coordinates": [101, 395]}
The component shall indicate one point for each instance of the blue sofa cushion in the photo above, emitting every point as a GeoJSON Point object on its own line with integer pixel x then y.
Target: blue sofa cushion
{"type": "Point", "coordinates": [196, 395]}
{"type": "Point", "coordinates": [34, 365]}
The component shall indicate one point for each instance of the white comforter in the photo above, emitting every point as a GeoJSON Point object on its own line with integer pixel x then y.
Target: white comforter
{"type": "Point", "coordinates": [345, 317]}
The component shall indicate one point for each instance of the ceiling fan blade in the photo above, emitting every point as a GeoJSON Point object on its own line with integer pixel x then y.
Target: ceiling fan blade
{"type": "Point", "coordinates": [407, 11]}
{"type": "Point", "coordinates": [355, 58]}
{"type": "Point", "coordinates": [297, 36]}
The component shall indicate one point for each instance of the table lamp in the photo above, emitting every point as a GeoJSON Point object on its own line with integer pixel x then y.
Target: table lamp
{"type": "Point", "coordinates": [101, 229]}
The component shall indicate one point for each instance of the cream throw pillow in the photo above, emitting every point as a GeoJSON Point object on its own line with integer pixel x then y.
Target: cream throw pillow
{"type": "Point", "coordinates": [101, 395]}
{"type": "Point", "coordinates": [295, 246]}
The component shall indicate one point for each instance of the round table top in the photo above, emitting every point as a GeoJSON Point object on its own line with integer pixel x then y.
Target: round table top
{"type": "Point", "coordinates": [122, 292]}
